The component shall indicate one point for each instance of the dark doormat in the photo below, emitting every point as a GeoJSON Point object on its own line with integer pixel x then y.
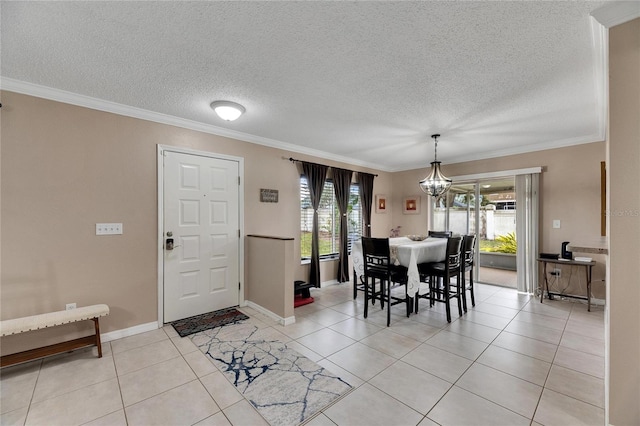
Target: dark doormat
{"type": "Point", "coordinates": [197, 323]}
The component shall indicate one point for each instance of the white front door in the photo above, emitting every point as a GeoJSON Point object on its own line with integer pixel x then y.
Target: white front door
{"type": "Point", "coordinates": [201, 216]}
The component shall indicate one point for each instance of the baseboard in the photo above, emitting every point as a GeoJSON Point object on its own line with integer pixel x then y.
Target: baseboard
{"type": "Point", "coordinates": [264, 311]}
{"type": "Point", "coordinates": [324, 284]}
{"type": "Point", "coordinates": [594, 301]}
{"type": "Point", "coordinates": [131, 331]}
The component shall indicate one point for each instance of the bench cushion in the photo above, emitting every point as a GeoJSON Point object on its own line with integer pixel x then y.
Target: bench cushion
{"type": "Point", "coordinates": [35, 322]}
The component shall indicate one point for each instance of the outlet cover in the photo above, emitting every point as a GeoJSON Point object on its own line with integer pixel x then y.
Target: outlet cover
{"type": "Point", "coordinates": [556, 224]}
{"type": "Point", "coordinates": [70, 306]}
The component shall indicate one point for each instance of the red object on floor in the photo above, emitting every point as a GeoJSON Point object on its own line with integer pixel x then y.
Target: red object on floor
{"type": "Point", "coordinates": [299, 300]}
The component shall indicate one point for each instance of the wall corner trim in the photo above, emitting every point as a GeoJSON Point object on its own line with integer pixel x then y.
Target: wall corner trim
{"type": "Point", "coordinates": [278, 318]}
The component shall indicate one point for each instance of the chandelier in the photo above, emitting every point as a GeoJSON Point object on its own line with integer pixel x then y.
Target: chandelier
{"type": "Point", "coordinates": [435, 184]}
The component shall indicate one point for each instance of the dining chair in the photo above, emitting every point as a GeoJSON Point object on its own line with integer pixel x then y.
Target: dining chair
{"type": "Point", "coordinates": [378, 268]}
{"type": "Point", "coordinates": [450, 268]}
{"type": "Point", "coordinates": [440, 234]}
{"type": "Point", "coordinates": [469, 252]}
{"type": "Point", "coordinates": [358, 283]}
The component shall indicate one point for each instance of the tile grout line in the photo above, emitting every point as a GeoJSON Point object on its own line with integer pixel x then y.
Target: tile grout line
{"type": "Point", "coordinates": [33, 392]}
{"type": "Point", "coordinates": [480, 396]}
{"type": "Point", "coordinates": [568, 368]}
{"type": "Point", "coordinates": [396, 360]}
{"type": "Point", "coordinates": [521, 309]}
{"type": "Point", "coordinates": [115, 369]}
{"type": "Point", "coordinates": [442, 328]}
{"type": "Point", "coordinates": [199, 379]}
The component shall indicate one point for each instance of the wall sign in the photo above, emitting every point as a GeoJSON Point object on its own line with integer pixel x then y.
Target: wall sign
{"type": "Point", "coordinates": [268, 195]}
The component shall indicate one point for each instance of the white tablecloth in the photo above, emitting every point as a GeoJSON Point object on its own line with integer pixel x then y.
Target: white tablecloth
{"type": "Point", "coordinates": [407, 253]}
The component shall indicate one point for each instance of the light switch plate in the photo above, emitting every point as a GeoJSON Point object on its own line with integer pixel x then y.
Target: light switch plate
{"type": "Point", "coordinates": [108, 228]}
{"type": "Point", "coordinates": [556, 224]}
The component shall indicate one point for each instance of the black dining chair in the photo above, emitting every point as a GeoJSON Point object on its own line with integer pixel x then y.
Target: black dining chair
{"type": "Point", "coordinates": [469, 252]}
{"type": "Point", "coordinates": [440, 234]}
{"type": "Point", "coordinates": [450, 268]}
{"type": "Point", "coordinates": [358, 283]}
{"type": "Point", "coordinates": [379, 269]}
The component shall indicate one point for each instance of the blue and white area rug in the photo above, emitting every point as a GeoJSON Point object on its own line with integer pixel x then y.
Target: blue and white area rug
{"type": "Point", "coordinates": [285, 387]}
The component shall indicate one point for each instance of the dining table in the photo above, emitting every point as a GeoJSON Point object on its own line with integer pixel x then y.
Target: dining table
{"type": "Point", "coordinates": [408, 253]}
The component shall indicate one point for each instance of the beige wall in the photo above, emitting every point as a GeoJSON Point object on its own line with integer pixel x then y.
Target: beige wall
{"type": "Point", "coordinates": [624, 225]}
{"type": "Point", "coordinates": [569, 191]}
{"type": "Point", "coordinates": [65, 168]}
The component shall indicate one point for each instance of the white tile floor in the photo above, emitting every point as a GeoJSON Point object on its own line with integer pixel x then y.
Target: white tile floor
{"type": "Point", "coordinates": [511, 361]}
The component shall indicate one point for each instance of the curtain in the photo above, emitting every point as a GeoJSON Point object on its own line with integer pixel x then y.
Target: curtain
{"type": "Point", "coordinates": [316, 175]}
{"type": "Point", "coordinates": [342, 189]}
{"type": "Point", "coordinates": [366, 198]}
{"type": "Point", "coordinates": [527, 231]}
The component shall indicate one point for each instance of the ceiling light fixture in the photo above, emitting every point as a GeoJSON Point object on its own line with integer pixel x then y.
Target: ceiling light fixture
{"type": "Point", "coordinates": [227, 110]}
{"type": "Point", "coordinates": [435, 184]}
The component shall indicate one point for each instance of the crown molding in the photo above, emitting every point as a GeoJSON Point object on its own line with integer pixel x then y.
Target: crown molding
{"type": "Point", "coordinates": [63, 96]}
{"type": "Point", "coordinates": [617, 12]}
{"type": "Point", "coordinates": [594, 138]}
{"type": "Point", "coordinates": [71, 98]}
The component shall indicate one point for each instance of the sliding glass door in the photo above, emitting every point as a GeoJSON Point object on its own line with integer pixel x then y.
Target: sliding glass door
{"type": "Point", "coordinates": [486, 208]}
{"type": "Point", "coordinates": [497, 237]}
{"type": "Point", "coordinates": [497, 208]}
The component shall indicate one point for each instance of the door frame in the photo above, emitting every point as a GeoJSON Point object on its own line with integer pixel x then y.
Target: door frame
{"type": "Point", "coordinates": [161, 149]}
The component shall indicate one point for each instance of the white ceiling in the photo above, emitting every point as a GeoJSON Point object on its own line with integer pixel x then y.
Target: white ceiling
{"type": "Point", "coordinates": [362, 82]}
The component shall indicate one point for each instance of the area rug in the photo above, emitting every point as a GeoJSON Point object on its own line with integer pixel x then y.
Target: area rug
{"type": "Point", "coordinates": [285, 387]}
{"type": "Point", "coordinates": [197, 323]}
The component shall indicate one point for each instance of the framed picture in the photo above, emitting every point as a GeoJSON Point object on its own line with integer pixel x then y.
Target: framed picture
{"type": "Point", "coordinates": [411, 205]}
{"type": "Point", "coordinates": [381, 203]}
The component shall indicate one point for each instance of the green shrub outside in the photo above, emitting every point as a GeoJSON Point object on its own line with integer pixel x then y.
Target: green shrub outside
{"type": "Point", "coordinates": [502, 244]}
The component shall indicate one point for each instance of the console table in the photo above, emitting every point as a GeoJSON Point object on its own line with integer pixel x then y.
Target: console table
{"type": "Point", "coordinates": [588, 266]}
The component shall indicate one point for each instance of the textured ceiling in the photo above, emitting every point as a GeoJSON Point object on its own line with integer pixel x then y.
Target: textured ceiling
{"type": "Point", "coordinates": [363, 82]}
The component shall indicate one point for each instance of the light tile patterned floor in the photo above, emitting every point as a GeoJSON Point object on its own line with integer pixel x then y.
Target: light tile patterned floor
{"type": "Point", "coordinates": [511, 361]}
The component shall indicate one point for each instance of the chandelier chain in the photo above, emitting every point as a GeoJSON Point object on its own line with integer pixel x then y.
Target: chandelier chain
{"type": "Point", "coordinates": [436, 150]}
{"type": "Point", "coordinates": [435, 138]}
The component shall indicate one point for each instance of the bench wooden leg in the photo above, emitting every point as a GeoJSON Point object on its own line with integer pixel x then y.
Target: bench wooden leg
{"type": "Point", "coordinates": [96, 321]}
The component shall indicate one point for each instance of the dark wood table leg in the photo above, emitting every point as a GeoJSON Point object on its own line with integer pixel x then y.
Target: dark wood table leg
{"type": "Point", "coordinates": [546, 283]}
{"type": "Point", "coordinates": [588, 271]}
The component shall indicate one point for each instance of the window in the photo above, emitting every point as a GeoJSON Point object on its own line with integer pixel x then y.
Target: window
{"type": "Point", "coordinates": [328, 220]}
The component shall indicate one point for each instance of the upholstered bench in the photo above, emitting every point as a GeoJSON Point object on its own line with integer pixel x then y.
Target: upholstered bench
{"type": "Point", "coordinates": [52, 319]}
